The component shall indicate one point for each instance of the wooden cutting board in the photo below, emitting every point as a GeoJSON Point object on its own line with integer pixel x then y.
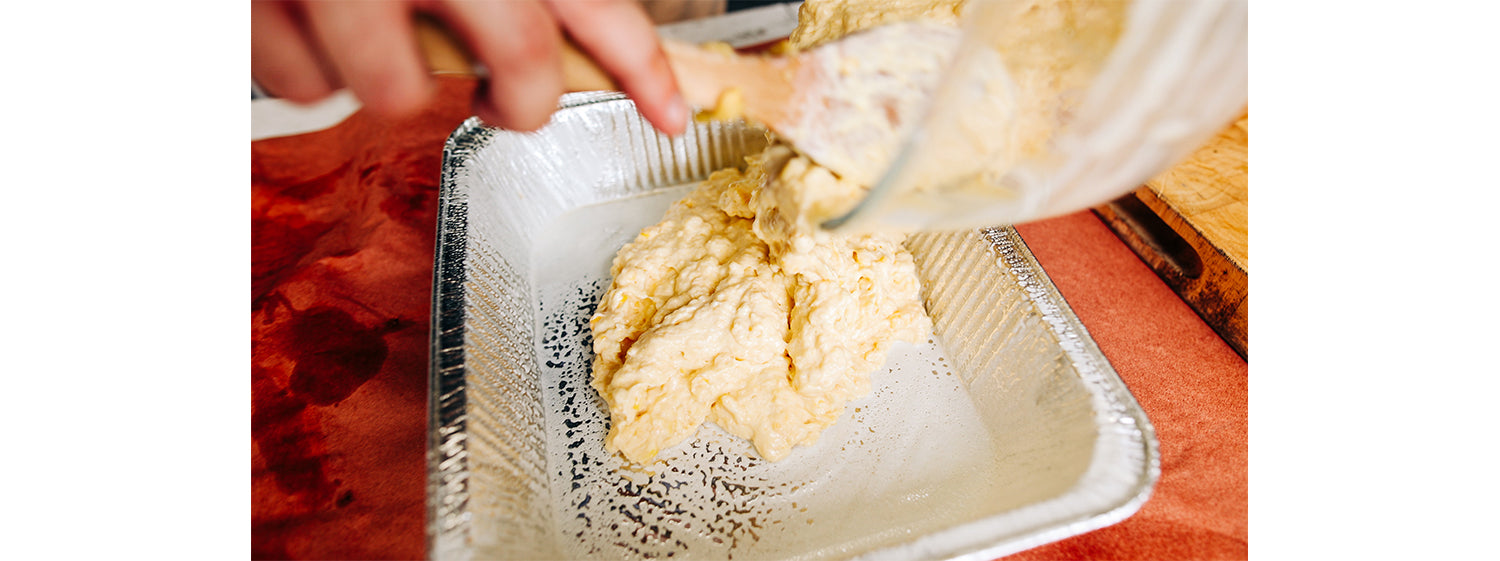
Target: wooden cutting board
{"type": "Point", "coordinates": [1190, 224]}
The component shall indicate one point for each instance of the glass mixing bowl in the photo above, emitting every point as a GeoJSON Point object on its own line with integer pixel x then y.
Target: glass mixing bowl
{"type": "Point", "coordinates": [1049, 108]}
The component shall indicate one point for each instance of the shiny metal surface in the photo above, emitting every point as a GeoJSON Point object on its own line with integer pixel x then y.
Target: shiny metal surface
{"type": "Point", "coordinates": [1021, 433]}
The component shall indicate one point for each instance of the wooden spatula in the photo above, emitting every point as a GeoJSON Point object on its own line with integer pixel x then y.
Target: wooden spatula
{"type": "Point", "coordinates": [846, 104]}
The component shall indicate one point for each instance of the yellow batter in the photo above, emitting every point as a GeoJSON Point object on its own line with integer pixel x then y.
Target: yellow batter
{"type": "Point", "coordinates": [736, 309]}
{"type": "Point", "coordinates": [820, 21]}
{"type": "Point", "coordinates": [727, 313]}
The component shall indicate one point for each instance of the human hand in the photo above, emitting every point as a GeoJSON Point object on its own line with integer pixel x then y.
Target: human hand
{"type": "Point", "coordinates": [305, 50]}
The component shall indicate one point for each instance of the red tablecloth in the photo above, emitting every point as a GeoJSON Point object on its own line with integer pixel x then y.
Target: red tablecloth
{"type": "Point", "coordinates": [342, 249]}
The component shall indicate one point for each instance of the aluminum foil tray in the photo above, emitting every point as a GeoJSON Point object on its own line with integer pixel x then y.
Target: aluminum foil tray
{"type": "Point", "coordinates": [1007, 430]}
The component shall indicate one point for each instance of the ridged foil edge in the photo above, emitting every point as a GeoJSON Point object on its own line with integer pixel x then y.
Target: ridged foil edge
{"type": "Point", "coordinates": [1095, 370]}
{"type": "Point", "coordinates": [447, 470]}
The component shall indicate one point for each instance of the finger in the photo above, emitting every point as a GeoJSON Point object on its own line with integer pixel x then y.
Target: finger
{"type": "Point", "coordinates": [669, 11]}
{"type": "Point", "coordinates": [520, 45]}
{"type": "Point", "coordinates": [374, 48]}
{"type": "Point", "coordinates": [283, 60]}
{"type": "Point", "coordinates": [619, 36]}
{"type": "Point", "coordinates": [486, 109]}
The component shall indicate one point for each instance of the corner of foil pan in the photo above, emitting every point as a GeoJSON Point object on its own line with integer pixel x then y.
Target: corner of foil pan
{"type": "Point", "coordinates": [1122, 408]}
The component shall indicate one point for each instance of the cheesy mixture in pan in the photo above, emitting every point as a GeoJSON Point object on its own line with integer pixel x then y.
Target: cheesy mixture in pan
{"type": "Point", "coordinates": [737, 310]}
{"type": "Point", "coordinates": [725, 312]}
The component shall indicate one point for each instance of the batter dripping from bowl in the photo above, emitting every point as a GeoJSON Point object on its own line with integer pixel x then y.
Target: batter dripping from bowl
{"type": "Point", "coordinates": [739, 308]}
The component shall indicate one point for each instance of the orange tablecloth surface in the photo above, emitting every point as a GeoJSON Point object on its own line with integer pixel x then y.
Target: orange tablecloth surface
{"type": "Point", "coordinates": [343, 222]}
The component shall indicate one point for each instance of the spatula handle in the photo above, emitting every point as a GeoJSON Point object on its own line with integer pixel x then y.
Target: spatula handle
{"type": "Point", "coordinates": [445, 54]}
